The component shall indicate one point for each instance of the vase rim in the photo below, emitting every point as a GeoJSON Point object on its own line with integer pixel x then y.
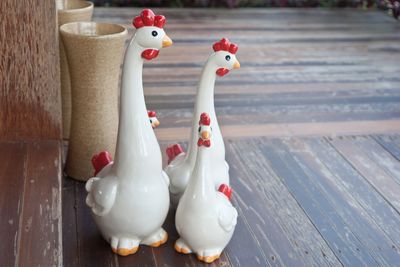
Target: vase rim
{"type": "Point", "coordinates": [95, 30]}
{"type": "Point", "coordinates": [76, 7]}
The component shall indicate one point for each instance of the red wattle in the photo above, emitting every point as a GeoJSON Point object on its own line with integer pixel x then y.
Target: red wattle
{"type": "Point", "coordinates": [206, 143]}
{"type": "Point", "coordinates": [150, 54]}
{"type": "Point", "coordinates": [222, 71]}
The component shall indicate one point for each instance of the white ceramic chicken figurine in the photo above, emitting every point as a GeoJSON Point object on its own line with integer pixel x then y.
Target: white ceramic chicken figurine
{"type": "Point", "coordinates": [129, 197]}
{"type": "Point", "coordinates": [205, 218]}
{"type": "Point", "coordinates": [181, 164]}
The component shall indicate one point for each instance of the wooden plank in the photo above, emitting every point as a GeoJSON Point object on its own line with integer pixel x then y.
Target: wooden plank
{"type": "Point", "coordinates": [93, 250]}
{"type": "Point", "coordinates": [335, 231]}
{"type": "Point", "coordinates": [276, 88]}
{"type": "Point", "coordinates": [380, 156]}
{"type": "Point", "coordinates": [273, 215]}
{"type": "Point", "coordinates": [40, 241]}
{"type": "Point", "coordinates": [183, 118]}
{"type": "Point", "coordinates": [12, 164]}
{"type": "Point", "coordinates": [143, 257]}
{"type": "Point", "coordinates": [374, 240]}
{"type": "Point", "coordinates": [374, 174]}
{"type": "Point", "coordinates": [350, 182]}
{"type": "Point", "coordinates": [291, 129]}
{"type": "Point", "coordinates": [257, 100]}
{"type": "Point", "coordinates": [69, 229]}
{"type": "Point", "coordinates": [390, 143]}
{"type": "Point", "coordinates": [29, 71]}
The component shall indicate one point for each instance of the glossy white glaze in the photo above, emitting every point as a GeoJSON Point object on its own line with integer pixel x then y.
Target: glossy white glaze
{"type": "Point", "coordinates": [180, 168]}
{"type": "Point", "coordinates": [205, 218]}
{"type": "Point", "coordinates": [130, 201]}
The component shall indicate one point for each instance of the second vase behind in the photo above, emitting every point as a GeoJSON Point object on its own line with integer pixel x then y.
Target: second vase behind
{"type": "Point", "coordinates": [94, 52]}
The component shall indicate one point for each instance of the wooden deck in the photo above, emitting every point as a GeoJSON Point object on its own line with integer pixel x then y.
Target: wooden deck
{"type": "Point", "coordinates": [311, 125]}
{"type": "Point", "coordinates": [311, 121]}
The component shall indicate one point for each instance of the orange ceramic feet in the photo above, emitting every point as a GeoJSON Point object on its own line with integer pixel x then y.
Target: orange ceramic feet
{"type": "Point", "coordinates": [160, 242]}
{"type": "Point", "coordinates": [207, 259]}
{"type": "Point", "coordinates": [125, 251]}
{"type": "Point", "coordinates": [181, 250]}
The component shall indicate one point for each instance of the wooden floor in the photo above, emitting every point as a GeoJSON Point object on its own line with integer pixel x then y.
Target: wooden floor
{"type": "Point", "coordinates": [30, 203]}
{"type": "Point", "coordinates": [312, 129]}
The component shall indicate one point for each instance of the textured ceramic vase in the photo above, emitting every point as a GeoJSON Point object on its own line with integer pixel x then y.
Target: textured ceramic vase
{"type": "Point", "coordinates": [94, 52]}
{"type": "Point", "coordinates": [69, 11]}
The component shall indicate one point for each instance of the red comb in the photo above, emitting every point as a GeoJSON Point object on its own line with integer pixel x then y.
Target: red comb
{"type": "Point", "coordinates": [225, 45]}
{"type": "Point", "coordinates": [147, 18]}
{"type": "Point", "coordinates": [204, 119]}
{"type": "Point", "coordinates": [151, 113]}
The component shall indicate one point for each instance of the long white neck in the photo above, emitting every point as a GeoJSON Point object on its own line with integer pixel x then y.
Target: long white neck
{"type": "Point", "coordinates": [200, 184]}
{"type": "Point", "coordinates": [205, 103]}
{"type": "Point", "coordinates": [137, 146]}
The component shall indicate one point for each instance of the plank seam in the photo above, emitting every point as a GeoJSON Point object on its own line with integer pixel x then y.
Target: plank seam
{"type": "Point", "coordinates": [21, 204]}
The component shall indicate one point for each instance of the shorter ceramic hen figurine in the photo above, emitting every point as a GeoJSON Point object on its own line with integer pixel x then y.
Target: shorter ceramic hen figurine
{"type": "Point", "coordinates": [205, 218]}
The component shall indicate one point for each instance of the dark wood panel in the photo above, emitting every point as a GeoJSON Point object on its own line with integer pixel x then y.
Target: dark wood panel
{"type": "Point", "coordinates": [40, 223]}
{"type": "Point", "coordinates": [12, 164]}
{"type": "Point", "coordinates": [29, 71]}
{"type": "Point", "coordinates": [69, 229]}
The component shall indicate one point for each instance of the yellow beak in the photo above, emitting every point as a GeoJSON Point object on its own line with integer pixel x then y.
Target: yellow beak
{"type": "Point", "coordinates": [205, 135]}
{"type": "Point", "coordinates": [156, 123]}
{"type": "Point", "coordinates": [166, 41]}
{"type": "Point", "coordinates": [236, 65]}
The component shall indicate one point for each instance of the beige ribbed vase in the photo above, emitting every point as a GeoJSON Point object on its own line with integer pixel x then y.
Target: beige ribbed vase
{"type": "Point", "coordinates": [69, 11]}
{"type": "Point", "coordinates": [94, 52]}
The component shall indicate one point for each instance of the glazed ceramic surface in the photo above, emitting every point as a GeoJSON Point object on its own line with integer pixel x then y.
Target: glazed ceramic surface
{"type": "Point", "coordinates": [181, 164]}
{"type": "Point", "coordinates": [205, 218]}
{"type": "Point", "coordinates": [94, 52]}
{"type": "Point", "coordinates": [129, 197]}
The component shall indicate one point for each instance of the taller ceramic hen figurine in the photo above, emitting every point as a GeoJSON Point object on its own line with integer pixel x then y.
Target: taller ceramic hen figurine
{"type": "Point", "coordinates": [129, 198]}
{"type": "Point", "coordinates": [181, 164]}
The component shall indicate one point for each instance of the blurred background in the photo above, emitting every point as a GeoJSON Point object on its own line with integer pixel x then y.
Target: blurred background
{"type": "Point", "coordinates": [392, 6]}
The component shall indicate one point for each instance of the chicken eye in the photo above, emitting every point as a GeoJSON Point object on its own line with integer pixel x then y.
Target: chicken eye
{"type": "Point", "coordinates": [151, 121]}
{"type": "Point", "coordinates": [154, 33]}
{"type": "Point", "coordinates": [199, 129]}
{"type": "Point", "coordinates": [228, 57]}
